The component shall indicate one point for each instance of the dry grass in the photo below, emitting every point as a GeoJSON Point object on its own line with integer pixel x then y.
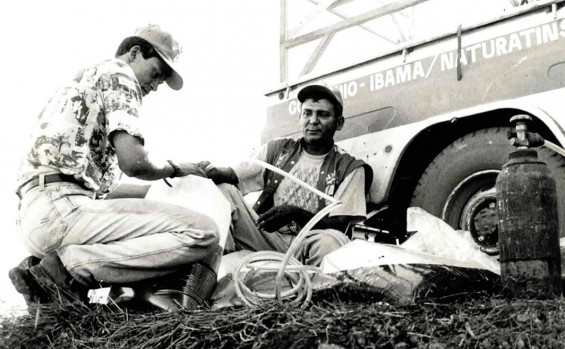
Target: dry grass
{"type": "Point", "coordinates": [341, 317]}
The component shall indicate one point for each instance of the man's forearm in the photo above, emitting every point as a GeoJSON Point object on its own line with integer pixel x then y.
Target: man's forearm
{"type": "Point", "coordinates": [135, 161]}
{"type": "Point", "coordinates": [279, 216]}
{"type": "Point", "coordinates": [152, 169]}
{"type": "Point", "coordinates": [340, 223]}
{"type": "Point", "coordinates": [336, 222]}
{"type": "Point", "coordinates": [302, 217]}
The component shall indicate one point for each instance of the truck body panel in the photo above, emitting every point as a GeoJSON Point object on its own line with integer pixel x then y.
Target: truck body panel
{"type": "Point", "coordinates": [516, 62]}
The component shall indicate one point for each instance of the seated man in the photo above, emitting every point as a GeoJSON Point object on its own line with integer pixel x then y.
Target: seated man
{"type": "Point", "coordinates": [86, 136]}
{"type": "Point", "coordinates": [284, 206]}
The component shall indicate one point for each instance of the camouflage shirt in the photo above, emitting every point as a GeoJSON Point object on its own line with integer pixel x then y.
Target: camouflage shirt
{"type": "Point", "coordinates": [72, 133]}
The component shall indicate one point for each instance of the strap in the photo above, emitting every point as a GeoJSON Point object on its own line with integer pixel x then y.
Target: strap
{"type": "Point", "coordinates": [176, 169]}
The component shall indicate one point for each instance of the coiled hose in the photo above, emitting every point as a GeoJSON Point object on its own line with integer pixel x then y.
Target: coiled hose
{"type": "Point", "coordinates": [284, 264]}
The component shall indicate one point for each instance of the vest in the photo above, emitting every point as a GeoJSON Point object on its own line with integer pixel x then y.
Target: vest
{"type": "Point", "coordinates": [283, 153]}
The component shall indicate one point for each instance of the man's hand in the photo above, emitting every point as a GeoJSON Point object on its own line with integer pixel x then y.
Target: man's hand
{"type": "Point", "coordinates": [189, 168]}
{"type": "Point", "coordinates": [218, 175]}
{"type": "Point", "coordinates": [205, 165]}
{"type": "Point", "coordinates": [279, 216]}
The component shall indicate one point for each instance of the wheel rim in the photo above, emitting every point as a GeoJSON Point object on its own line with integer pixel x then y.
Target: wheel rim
{"type": "Point", "coordinates": [480, 217]}
{"type": "Point", "coordinates": [471, 206]}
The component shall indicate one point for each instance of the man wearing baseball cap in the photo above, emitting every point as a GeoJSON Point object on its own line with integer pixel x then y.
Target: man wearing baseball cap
{"type": "Point", "coordinates": [284, 207]}
{"type": "Point", "coordinates": [87, 135]}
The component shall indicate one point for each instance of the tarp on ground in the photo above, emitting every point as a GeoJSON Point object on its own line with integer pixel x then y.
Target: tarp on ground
{"type": "Point", "coordinates": [435, 262]}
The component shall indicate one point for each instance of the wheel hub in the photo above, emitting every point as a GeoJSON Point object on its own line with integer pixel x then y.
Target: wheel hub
{"type": "Point", "coordinates": [481, 218]}
{"type": "Point", "coordinates": [485, 221]}
{"type": "Point", "coordinates": [472, 206]}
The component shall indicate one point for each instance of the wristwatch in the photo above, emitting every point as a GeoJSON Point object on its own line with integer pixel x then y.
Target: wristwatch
{"type": "Point", "coordinates": [176, 169]}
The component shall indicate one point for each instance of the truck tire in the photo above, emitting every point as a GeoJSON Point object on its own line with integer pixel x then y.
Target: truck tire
{"type": "Point", "coordinates": [458, 186]}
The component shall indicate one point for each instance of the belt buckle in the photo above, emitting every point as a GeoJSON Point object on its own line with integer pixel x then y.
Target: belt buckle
{"type": "Point", "coordinates": [41, 184]}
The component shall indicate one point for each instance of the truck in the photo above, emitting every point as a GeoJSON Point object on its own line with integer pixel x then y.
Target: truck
{"type": "Point", "coordinates": [431, 115]}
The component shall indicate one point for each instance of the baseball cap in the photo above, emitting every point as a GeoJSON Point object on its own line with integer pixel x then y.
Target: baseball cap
{"type": "Point", "coordinates": [331, 93]}
{"type": "Point", "coordinates": [168, 49]}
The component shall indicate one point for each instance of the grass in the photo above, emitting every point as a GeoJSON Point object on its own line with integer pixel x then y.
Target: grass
{"type": "Point", "coordinates": [338, 317]}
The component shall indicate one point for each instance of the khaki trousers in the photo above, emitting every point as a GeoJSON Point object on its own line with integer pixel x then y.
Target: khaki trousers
{"type": "Point", "coordinates": [115, 241]}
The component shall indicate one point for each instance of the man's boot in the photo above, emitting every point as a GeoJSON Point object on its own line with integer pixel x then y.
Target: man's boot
{"type": "Point", "coordinates": [47, 281]}
{"type": "Point", "coordinates": [23, 281]}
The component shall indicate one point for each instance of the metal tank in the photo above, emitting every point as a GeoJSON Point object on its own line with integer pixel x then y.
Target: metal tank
{"type": "Point", "coordinates": [530, 259]}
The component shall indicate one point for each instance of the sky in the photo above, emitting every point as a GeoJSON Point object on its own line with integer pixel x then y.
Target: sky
{"type": "Point", "coordinates": [229, 61]}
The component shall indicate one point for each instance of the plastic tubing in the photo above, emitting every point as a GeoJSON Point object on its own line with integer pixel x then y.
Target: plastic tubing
{"type": "Point", "coordinates": [554, 147]}
{"type": "Point", "coordinates": [284, 264]}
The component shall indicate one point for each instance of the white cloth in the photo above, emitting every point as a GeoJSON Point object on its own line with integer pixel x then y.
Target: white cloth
{"type": "Point", "coordinates": [199, 194]}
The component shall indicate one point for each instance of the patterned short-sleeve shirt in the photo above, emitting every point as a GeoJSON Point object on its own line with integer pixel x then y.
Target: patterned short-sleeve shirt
{"type": "Point", "coordinates": [72, 132]}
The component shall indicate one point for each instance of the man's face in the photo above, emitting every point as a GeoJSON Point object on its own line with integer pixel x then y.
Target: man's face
{"type": "Point", "coordinates": [149, 72]}
{"type": "Point", "coordinates": [318, 121]}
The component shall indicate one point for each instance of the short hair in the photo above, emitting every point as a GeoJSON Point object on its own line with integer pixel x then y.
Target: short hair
{"type": "Point", "coordinates": [147, 51]}
{"type": "Point", "coordinates": [316, 96]}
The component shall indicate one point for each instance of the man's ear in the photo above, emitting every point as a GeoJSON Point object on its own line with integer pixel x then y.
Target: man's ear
{"type": "Point", "coordinates": [340, 122]}
{"type": "Point", "coordinates": [133, 52]}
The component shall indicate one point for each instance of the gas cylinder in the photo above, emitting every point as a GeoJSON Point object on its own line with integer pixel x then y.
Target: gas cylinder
{"type": "Point", "coordinates": [528, 226]}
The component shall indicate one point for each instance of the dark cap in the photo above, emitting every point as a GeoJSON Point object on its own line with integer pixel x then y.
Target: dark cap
{"type": "Point", "coordinates": [331, 93]}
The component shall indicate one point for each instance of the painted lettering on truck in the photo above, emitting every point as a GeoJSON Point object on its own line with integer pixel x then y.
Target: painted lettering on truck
{"type": "Point", "coordinates": [525, 59]}
{"type": "Point", "coordinates": [445, 61]}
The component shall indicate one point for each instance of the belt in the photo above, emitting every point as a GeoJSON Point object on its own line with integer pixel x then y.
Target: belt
{"type": "Point", "coordinates": [52, 178]}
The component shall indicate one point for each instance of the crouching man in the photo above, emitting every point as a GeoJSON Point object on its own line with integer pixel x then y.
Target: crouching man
{"type": "Point", "coordinates": [86, 136]}
{"type": "Point", "coordinates": [284, 206]}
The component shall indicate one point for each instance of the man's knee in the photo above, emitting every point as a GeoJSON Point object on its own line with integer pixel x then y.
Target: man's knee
{"type": "Point", "coordinates": [200, 231]}
{"type": "Point", "coordinates": [228, 189]}
{"type": "Point", "coordinates": [211, 236]}
{"type": "Point", "coordinates": [327, 237]}
{"type": "Point", "coordinates": [319, 243]}
{"type": "Point", "coordinates": [232, 194]}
